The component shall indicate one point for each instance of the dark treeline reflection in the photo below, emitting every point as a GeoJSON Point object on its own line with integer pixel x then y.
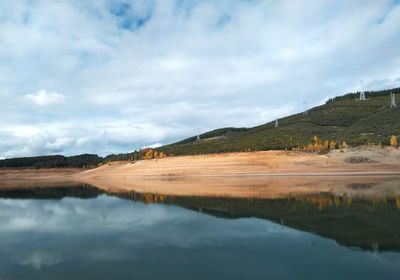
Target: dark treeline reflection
{"type": "Point", "coordinates": [369, 223]}
{"type": "Point", "coordinates": [51, 192]}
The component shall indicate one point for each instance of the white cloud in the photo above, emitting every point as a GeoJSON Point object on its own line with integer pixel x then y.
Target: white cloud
{"type": "Point", "coordinates": [59, 144]}
{"type": "Point", "coordinates": [158, 71]}
{"type": "Point", "coordinates": [44, 98]}
{"type": "Point", "coordinates": [155, 145]}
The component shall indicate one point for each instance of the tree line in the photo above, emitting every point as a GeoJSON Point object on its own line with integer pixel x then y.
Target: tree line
{"type": "Point", "coordinates": [56, 161]}
{"type": "Point", "coordinates": [79, 161]}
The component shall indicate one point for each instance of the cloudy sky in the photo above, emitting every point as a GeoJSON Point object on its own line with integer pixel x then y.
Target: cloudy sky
{"type": "Point", "coordinates": [113, 76]}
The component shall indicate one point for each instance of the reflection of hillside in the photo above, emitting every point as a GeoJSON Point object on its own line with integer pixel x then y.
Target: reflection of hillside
{"type": "Point", "coordinates": [369, 223]}
{"type": "Point", "coordinates": [53, 192]}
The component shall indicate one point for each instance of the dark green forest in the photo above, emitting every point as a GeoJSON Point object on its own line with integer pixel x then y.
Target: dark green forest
{"type": "Point", "coordinates": [57, 161]}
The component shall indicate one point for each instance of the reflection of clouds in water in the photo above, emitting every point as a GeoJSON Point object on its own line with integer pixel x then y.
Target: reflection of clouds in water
{"type": "Point", "coordinates": [107, 234]}
{"type": "Point", "coordinates": [107, 215]}
{"type": "Point", "coordinates": [37, 260]}
{"type": "Point", "coordinates": [107, 228]}
{"type": "Point", "coordinates": [101, 254]}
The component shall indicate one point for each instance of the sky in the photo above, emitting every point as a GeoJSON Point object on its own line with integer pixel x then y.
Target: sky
{"type": "Point", "coordinates": [83, 76]}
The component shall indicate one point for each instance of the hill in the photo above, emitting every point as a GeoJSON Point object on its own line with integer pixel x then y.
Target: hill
{"type": "Point", "coordinates": [56, 161]}
{"type": "Point", "coordinates": [343, 118]}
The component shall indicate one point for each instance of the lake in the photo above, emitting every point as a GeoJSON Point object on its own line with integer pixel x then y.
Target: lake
{"type": "Point", "coordinates": [85, 233]}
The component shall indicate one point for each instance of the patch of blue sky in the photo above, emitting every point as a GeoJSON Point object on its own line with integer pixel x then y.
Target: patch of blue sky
{"type": "Point", "coordinates": [133, 23]}
{"type": "Point", "coordinates": [224, 20]}
{"type": "Point", "coordinates": [387, 11]}
{"type": "Point", "coordinates": [121, 9]}
{"type": "Point", "coordinates": [130, 18]}
{"type": "Point", "coordinates": [185, 6]}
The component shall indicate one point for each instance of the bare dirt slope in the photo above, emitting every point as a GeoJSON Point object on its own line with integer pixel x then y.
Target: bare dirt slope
{"type": "Point", "coordinates": [351, 162]}
{"type": "Point", "coordinates": [366, 171]}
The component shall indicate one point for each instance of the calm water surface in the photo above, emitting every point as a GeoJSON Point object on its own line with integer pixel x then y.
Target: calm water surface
{"type": "Point", "coordinates": [106, 237]}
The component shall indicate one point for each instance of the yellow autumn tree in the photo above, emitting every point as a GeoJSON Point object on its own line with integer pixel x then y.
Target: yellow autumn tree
{"type": "Point", "coordinates": [318, 145]}
{"type": "Point", "coordinates": [148, 198]}
{"type": "Point", "coordinates": [148, 154]}
{"type": "Point", "coordinates": [393, 141]}
{"type": "Point", "coordinates": [343, 146]}
{"type": "Point", "coordinates": [325, 146]}
{"type": "Point", "coordinates": [332, 145]}
{"type": "Point", "coordinates": [162, 154]}
{"type": "Point", "coordinates": [398, 202]}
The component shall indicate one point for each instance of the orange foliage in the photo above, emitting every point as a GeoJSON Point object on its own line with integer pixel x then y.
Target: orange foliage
{"type": "Point", "coordinates": [393, 141]}
{"type": "Point", "coordinates": [325, 201]}
{"type": "Point", "coordinates": [398, 202]}
{"type": "Point", "coordinates": [149, 198]}
{"type": "Point", "coordinates": [318, 145]}
{"type": "Point", "coordinates": [343, 146]}
{"type": "Point", "coordinates": [162, 154]}
{"type": "Point", "coordinates": [150, 154]}
{"type": "Point", "coordinates": [332, 145]}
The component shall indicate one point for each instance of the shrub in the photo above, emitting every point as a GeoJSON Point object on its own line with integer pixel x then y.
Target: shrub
{"type": "Point", "coordinates": [393, 141]}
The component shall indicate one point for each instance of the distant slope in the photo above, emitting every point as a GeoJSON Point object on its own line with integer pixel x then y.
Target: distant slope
{"type": "Point", "coordinates": [56, 161]}
{"type": "Point", "coordinates": [343, 118]}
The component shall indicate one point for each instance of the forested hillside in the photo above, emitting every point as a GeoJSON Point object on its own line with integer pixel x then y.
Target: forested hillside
{"type": "Point", "coordinates": [57, 161]}
{"type": "Point", "coordinates": [344, 118]}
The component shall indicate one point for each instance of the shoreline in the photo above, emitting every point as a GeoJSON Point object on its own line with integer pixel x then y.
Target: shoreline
{"type": "Point", "coordinates": [256, 174]}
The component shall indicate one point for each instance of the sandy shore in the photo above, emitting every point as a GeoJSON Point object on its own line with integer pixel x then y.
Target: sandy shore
{"type": "Point", "coordinates": [272, 163]}
{"type": "Point", "coordinates": [255, 174]}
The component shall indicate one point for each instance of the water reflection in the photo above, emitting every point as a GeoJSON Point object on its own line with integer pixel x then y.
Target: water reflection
{"type": "Point", "coordinates": [107, 236]}
{"type": "Point", "coordinates": [368, 222]}
{"type": "Point", "coordinates": [365, 222]}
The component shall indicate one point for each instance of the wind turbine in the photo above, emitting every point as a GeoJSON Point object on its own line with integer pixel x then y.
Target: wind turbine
{"type": "Point", "coordinates": [362, 92]}
{"type": "Point", "coordinates": [393, 101]}
{"type": "Point", "coordinates": [198, 135]}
